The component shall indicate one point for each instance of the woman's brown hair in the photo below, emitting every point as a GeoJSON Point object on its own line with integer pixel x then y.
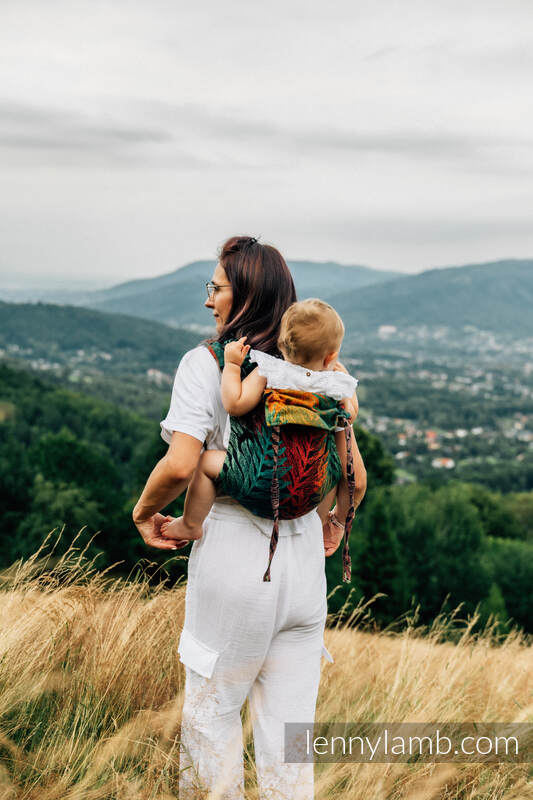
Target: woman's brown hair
{"type": "Point", "coordinates": [263, 289]}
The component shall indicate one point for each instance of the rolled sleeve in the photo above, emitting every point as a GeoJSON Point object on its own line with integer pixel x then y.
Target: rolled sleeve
{"type": "Point", "coordinates": [192, 408]}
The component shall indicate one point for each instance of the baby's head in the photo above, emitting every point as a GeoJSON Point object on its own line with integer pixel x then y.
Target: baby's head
{"type": "Point", "coordinates": [311, 334]}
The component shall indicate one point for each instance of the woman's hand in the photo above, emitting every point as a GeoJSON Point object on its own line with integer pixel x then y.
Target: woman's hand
{"type": "Point", "coordinates": [235, 352]}
{"type": "Point", "coordinates": [333, 535]}
{"type": "Point", "coordinates": [169, 478]}
{"type": "Point", "coordinates": [350, 404]}
{"type": "Point", "coordinates": [351, 407]}
{"type": "Point", "coordinates": [150, 530]}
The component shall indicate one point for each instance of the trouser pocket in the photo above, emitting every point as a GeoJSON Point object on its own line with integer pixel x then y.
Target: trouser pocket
{"type": "Point", "coordinates": [326, 654]}
{"type": "Point", "coordinates": [196, 655]}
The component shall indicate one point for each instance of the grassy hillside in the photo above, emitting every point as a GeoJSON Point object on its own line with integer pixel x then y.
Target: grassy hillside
{"type": "Point", "coordinates": [91, 691]}
{"type": "Point", "coordinates": [496, 296]}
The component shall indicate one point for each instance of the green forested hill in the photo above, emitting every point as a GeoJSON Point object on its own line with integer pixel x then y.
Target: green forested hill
{"type": "Point", "coordinates": [127, 343]}
{"type": "Point", "coordinates": [68, 459]}
{"type": "Point", "coordinates": [496, 296]}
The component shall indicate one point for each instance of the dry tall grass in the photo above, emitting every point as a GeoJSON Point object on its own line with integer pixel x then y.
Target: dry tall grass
{"type": "Point", "coordinates": [90, 694]}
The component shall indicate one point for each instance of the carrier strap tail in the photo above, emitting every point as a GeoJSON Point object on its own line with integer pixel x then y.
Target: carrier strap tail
{"type": "Point", "coordinates": [274, 494]}
{"type": "Point", "coordinates": [350, 474]}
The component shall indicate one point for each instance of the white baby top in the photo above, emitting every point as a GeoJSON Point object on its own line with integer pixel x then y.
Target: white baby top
{"type": "Point", "coordinates": [281, 374]}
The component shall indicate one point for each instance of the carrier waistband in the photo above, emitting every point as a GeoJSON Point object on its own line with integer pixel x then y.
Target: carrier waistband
{"type": "Point", "coordinates": [287, 527]}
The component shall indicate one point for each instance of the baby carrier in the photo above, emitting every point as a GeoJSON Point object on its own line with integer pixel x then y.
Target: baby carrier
{"type": "Point", "coordinates": [282, 459]}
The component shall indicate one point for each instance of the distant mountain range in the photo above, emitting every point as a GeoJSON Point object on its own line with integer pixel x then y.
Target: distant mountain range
{"type": "Point", "coordinates": [495, 296]}
{"type": "Point", "coordinates": [177, 298]}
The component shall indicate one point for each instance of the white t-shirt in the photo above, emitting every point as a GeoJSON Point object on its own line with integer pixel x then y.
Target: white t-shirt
{"type": "Point", "coordinates": [196, 405]}
{"type": "Point", "coordinates": [196, 408]}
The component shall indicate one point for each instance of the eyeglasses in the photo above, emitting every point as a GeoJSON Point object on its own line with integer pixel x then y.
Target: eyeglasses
{"type": "Point", "coordinates": [214, 287]}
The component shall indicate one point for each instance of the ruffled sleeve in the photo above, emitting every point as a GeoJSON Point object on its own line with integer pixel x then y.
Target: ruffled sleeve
{"type": "Point", "coordinates": [271, 368]}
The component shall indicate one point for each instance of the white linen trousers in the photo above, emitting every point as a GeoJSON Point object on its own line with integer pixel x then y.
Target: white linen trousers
{"type": "Point", "coordinates": [243, 638]}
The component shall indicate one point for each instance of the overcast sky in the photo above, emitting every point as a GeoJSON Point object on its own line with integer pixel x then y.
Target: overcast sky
{"type": "Point", "coordinates": [136, 136]}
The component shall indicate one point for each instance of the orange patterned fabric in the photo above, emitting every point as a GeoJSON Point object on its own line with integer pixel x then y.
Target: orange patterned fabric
{"type": "Point", "coordinates": [291, 407]}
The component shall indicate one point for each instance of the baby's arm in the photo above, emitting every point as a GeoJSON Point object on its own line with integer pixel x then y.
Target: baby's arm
{"type": "Point", "coordinates": [238, 396]}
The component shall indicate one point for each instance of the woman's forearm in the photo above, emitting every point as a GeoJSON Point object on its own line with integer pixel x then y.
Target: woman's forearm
{"type": "Point", "coordinates": [343, 495]}
{"type": "Point", "coordinates": [162, 487]}
{"type": "Point", "coordinates": [170, 476]}
{"type": "Point", "coordinates": [325, 505]}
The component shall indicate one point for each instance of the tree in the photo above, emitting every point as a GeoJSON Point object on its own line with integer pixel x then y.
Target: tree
{"type": "Point", "coordinates": [414, 521]}
{"type": "Point", "coordinates": [54, 506]}
{"type": "Point", "coordinates": [379, 464]}
{"type": "Point", "coordinates": [495, 514]}
{"type": "Point", "coordinates": [378, 567]}
{"type": "Point", "coordinates": [510, 564]}
{"type": "Point", "coordinates": [521, 507]}
{"type": "Point", "coordinates": [494, 606]}
{"type": "Point", "coordinates": [64, 458]}
{"type": "Point", "coordinates": [459, 541]}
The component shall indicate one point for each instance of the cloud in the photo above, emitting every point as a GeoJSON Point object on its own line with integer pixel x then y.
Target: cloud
{"type": "Point", "coordinates": [166, 127]}
{"type": "Point", "coordinates": [56, 132]}
{"type": "Point", "coordinates": [239, 131]}
{"type": "Point", "coordinates": [432, 230]}
{"type": "Point", "coordinates": [381, 52]}
{"type": "Point", "coordinates": [190, 135]}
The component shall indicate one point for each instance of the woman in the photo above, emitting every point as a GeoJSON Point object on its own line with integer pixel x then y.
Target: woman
{"type": "Point", "coordinates": [242, 637]}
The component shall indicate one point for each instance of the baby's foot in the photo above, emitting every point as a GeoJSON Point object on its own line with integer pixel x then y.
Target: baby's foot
{"type": "Point", "coordinates": [178, 528]}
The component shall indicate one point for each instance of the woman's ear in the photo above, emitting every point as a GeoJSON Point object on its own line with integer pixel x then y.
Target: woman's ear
{"type": "Point", "coordinates": [330, 359]}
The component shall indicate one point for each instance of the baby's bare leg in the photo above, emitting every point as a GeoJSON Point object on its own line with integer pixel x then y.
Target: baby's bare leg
{"type": "Point", "coordinates": [200, 497]}
{"type": "Point", "coordinates": [201, 493]}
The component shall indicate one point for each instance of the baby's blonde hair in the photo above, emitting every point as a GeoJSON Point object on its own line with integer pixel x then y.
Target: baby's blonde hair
{"type": "Point", "coordinates": [310, 330]}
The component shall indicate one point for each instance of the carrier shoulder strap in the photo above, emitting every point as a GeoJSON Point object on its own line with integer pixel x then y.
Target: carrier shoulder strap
{"type": "Point", "coordinates": [350, 475]}
{"type": "Point", "coordinates": [217, 352]}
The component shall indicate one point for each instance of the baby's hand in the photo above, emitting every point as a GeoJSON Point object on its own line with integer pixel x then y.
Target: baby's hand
{"type": "Point", "coordinates": [338, 367]}
{"type": "Point", "coordinates": [235, 352]}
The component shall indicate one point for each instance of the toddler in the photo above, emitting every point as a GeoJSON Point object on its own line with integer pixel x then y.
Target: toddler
{"type": "Point", "coordinates": [311, 334]}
